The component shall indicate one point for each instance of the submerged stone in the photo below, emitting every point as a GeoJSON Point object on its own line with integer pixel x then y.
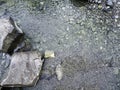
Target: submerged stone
{"type": "Point", "coordinates": [10, 35]}
{"type": "Point", "coordinates": [24, 69]}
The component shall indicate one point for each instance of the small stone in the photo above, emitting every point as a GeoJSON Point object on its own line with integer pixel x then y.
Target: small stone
{"type": "Point", "coordinates": [96, 1]}
{"type": "Point", "coordinates": [118, 25]}
{"type": "Point", "coordinates": [82, 88]}
{"type": "Point", "coordinates": [5, 60]}
{"type": "Point", "coordinates": [63, 8]}
{"type": "Point", "coordinates": [118, 3]}
{"type": "Point", "coordinates": [108, 7]}
{"type": "Point", "coordinates": [49, 54]}
{"type": "Point", "coordinates": [10, 34]}
{"type": "Point", "coordinates": [59, 72]}
{"type": "Point", "coordinates": [100, 6]}
{"type": "Point", "coordinates": [4, 64]}
{"type": "Point", "coordinates": [41, 3]}
{"type": "Point", "coordinates": [24, 69]}
{"type": "Point", "coordinates": [116, 71]}
{"type": "Point", "coordinates": [109, 2]}
{"type": "Point", "coordinates": [99, 1]}
{"type": "Point", "coordinates": [101, 47]}
{"type": "Point", "coordinates": [114, 1]}
{"type": "Point", "coordinates": [116, 16]}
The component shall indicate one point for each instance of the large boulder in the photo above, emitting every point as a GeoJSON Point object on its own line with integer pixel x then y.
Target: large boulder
{"type": "Point", "coordinates": [24, 69]}
{"type": "Point", "coordinates": [10, 35]}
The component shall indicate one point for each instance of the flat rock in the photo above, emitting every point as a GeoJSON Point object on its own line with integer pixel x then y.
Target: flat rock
{"type": "Point", "coordinates": [10, 34]}
{"type": "Point", "coordinates": [24, 69]}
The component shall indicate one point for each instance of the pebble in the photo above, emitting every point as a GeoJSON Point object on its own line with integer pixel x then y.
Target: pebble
{"type": "Point", "coordinates": [116, 16]}
{"type": "Point", "coordinates": [49, 54]}
{"type": "Point", "coordinates": [59, 72]}
{"type": "Point", "coordinates": [118, 3]}
{"type": "Point", "coordinates": [101, 47]}
{"type": "Point", "coordinates": [99, 2]}
{"type": "Point", "coordinates": [116, 71]}
{"type": "Point", "coordinates": [100, 6]}
{"type": "Point", "coordinates": [41, 3]}
{"type": "Point", "coordinates": [109, 2]}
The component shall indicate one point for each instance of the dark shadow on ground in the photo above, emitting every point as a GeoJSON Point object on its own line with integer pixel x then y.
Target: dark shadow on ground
{"type": "Point", "coordinates": [79, 3]}
{"type": "Point", "coordinates": [2, 2]}
{"type": "Point", "coordinates": [10, 88]}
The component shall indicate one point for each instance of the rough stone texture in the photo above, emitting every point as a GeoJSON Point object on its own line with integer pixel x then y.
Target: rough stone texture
{"type": "Point", "coordinates": [24, 69]}
{"type": "Point", "coordinates": [5, 28]}
{"type": "Point", "coordinates": [86, 42]}
{"type": "Point", "coordinates": [4, 64]}
{"type": "Point", "coordinates": [10, 34]}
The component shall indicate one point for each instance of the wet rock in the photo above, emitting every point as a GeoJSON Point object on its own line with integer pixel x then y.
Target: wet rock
{"type": "Point", "coordinates": [10, 35]}
{"type": "Point", "coordinates": [4, 58]}
{"type": "Point", "coordinates": [4, 64]}
{"type": "Point", "coordinates": [24, 69]}
{"type": "Point", "coordinates": [2, 2]}
{"type": "Point", "coordinates": [59, 72]}
{"type": "Point", "coordinates": [49, 54]}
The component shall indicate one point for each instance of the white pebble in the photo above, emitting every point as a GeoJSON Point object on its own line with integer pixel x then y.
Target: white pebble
{"type": "Point", "coordinates": [59, 72]}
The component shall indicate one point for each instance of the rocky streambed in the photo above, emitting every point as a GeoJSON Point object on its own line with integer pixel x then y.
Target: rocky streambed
{"type": "Point", "coordinates": [84, 36]}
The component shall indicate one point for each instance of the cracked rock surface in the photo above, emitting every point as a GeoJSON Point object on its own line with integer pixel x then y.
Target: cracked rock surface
{"type": "Point", "coordinates": [10, 34]}
{"type": "Point", "coordinates": [24, 69]}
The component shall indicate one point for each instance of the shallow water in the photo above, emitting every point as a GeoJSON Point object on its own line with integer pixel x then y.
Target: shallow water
{"type": "Point", "coordinates": [77, 35]}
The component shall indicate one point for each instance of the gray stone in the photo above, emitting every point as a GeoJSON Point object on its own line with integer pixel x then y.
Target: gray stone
{"type": "Point", "coordinates": [59, 72]}
{"type": "Point", "coordinates": [96, 1]}
{"type": "Point", "coordinates": [109, 2]}
{"type": "Point", "coordinates": [24, 69]}
{"type": "Point", "coordinates": [4, 64]}
{"type": "Point", "coordinates": [99, 1]}
{"type": "Point", "coordinates": [10, 34]}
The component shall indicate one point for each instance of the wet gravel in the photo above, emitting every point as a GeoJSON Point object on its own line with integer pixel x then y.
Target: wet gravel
{"type": "Point", "coordinates": [85, 39]}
